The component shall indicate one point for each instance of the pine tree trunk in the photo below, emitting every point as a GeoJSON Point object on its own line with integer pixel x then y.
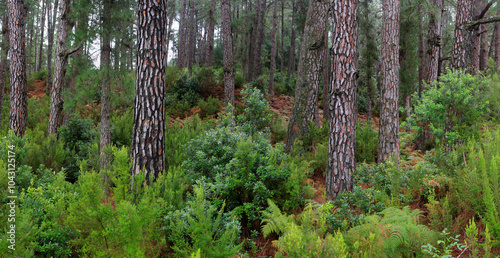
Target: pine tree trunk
{"type": "Point", "coordinates": [105, 81]}
{"type": "Point", "coordinates": [3, 62]}
{"type": "Point", "coordinates": [497, 42]}
{"type": "Point", "coordinates": [17, 56]}
{"type": "Point", "coordinates": [210, 35]}
{"type": "Point", "coordinates": [309, 74]}
{"type": "Point", "coordinates": [42, 30]}
{"type": "Point", "coordinates": [475, 51]}
{"type": "Point", "coordinates": [52, 25]}
{"type": "Point", "coordinates": [291, 58]}
{"type": "Point", "coordinates": [181, 56]}
{"type": "Point", "coordinates": [326, 81]}
{"type": "Point", "coordinates": [192, 36]}
{"type": "Point", "coordinates": [282, 51]}
{"type": "Point", "coordinates": [273, 50]}
{"type": "Point", "coordinates": [148, 137]}
{"type": "Point", "coordinates": [260, 38]}
{"type": "Point", "coordinates": [34, 48]}
{"type": "Point", "coordinates": [228, 55]}
{"type": "Point", "coordinates": [389, 114]}
{"type": "Point", "coordinates": [169, 30]}
{"type": "Point", "coordinates": [252, 35]}
{"type": "Point", "coordinates": [56, 103]}
{"type": "Point", "coordinates": [343, 99]}
{"type": "Point", "coordinates": [459, 51]}
{"type": "Point", "coordinates": [483, 56]}
{"type": "Point", "coordinates": [434, 36]}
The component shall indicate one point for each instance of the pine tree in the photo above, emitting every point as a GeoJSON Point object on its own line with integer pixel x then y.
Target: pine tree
{"type": "Point", "coordinates": [3, 62]}
{"type": "Point", "coordinates": [388, 147]}
{"type": "Point", "coordinates": [343, 99]}
{"type": "Point", "coordinates": [17, 56]}
{"type": "Point", "coordinates": [309, 74]}
{"type": "Point", "coordinates": [228, 55]}
{"type": "Point", "coordinates": [148, 137]}
{"type": "Point", "coordinates": [459, 51]}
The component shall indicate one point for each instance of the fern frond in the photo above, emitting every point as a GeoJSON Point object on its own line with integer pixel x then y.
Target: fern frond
{"type": "Point", "coordinates": [274, 220]}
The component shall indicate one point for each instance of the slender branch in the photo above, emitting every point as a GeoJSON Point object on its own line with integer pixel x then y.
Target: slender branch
{"type": "Point", "coordinates": [471, 25]}
{"type": "Point", "coordinates": [483, 12]}
{"type": "Point", "coordinates": [72, 50]}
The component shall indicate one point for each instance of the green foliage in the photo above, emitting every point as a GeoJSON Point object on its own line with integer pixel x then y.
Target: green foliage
{"type": "Point", "coordinates": [452, 106]}
{"type": "Point", "coordinates": [38, 113]}
{"type": "Point", "coordinates": [172, 74]}
{"type": "Point", "coordinates": [77, 136]}
{"type": "Point", "coordinates": [45, 150]}
{"type": "Point", "coordinates": [394, 233]}
{"type": "Point", "coordinates": [209, 107]}
{"type": "Point", "coordinates": [176, 107]}
{"type": "Point", "coordinates": [471, 233]}
{"type": "Point", "coordinates": [256, 116]}
{"type": "Point", "coordinates": [445, 245]}
{"type": "Point", "coordinates": [121, 127]}
{"type": "Point", "coordinates": [366, 143]}
{"type": "Point", "coordinates": [261, 83]}
{"type": "Point", "coordinates": [206, 76]}
{"type": "Point", "coordinates": [187, 88]}
{"type": "Point", "coordinates": [305, 236]}
{"type": "Point", "coordinates": [238, 80]}
{"type": "Point", "coordinates": [279, 127]}
{"type": "Point", "coordinates": [200, 228]}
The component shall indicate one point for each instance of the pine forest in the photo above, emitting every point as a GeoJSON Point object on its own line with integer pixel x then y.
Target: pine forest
{"type": "Point", "coordinates": [249, 128]}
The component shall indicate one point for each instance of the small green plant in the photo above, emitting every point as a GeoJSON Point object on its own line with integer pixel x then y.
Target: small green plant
{"type": "Point", "coordinates": [445, 245]}
{"type": "Point", "coordinates": [279, 127]}
{"type": "Point", "coordinates": [209, 107]}
{"type": "Point", "coordinates": [256, 116]}
{"type": "Point", "coordinates": [366, 143]}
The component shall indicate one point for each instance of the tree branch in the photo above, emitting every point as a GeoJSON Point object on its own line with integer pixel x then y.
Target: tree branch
{"type": "Point", "coordinates": [483, 12]}
{"type": "Point", "coordinates": [72, 50]}
{"type": "Point", "coordinates": [472, 24]}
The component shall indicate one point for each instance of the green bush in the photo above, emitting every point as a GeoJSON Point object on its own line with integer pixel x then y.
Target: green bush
{"type": "Point", "coordinates": [261, 83]}
{"type": "Point", "coordinates": [199, 227]}
{"type": "Point", "coordinates": [257, 116]}
{"type": "Point", "coordinates": [279, 127]}
{"type": "Point", "coordinates": [209, 107]}
{"type": "Point", "coordinates": [453, 106]}
{"type": "Point", "coordinates": [186, 89]}
{"type": "Point", "coordinates": [366, 143]}
{"type": "Point", "coordinates": [238, 80]}
{"type": "Point", "coordinates": [172, 73]}
{"type": "Point", "coordinates": [38, 113]}
{"type": "Point", "coordinates": [45, 150]}
{"type": "Point", "coordinates": [121, 127]}
{"type": "Point", "coordinates": [176, 107]}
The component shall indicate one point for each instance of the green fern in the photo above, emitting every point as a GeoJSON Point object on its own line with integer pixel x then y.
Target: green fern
{"type": "Point", "coordinates": [274, 221]}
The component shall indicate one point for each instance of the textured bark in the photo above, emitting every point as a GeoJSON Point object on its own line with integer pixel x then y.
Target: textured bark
{"type": "Point", "coordinates": [483, 55]}
{"type": "Point", "coordinates": [476, 40]}
{"type": "Point", "coordinates": [343, 99]}
{"type": "Point", "coordinates": [459, 51]}
{"type": "Point", "coordinates": [210, 35]}
{"type": "Point", "coordinates": [282, 50]}
{"type": "Point", "coordinates": [251, 47]}
{"type": "Point", "coordinates": [17, 57]}
{"type": "Point", "coordinates": [273, 49]}
{"type": "Point", "coordinates": [309, 74]}
{"type": "Point", "coordinates": [148, 137]}
{"type": "Point", "coordinates": [192, 36]}
{"type": "Point", "coordinates": [51, 27]}
{"type": "Point", "coordinates": [291, 58]}
{"type": "Point", "coordinates": [388, 147]}
{"type": "Point", "coordinates": [421, 51]}
{"type": "Point", "coordinates": [56, 100]}
{"type": "Point", "coordinates": [105, 83]}
{"type": "Point", "coordinates": [369, 54]}
{"type": "Point", "coordinates": [42, 30]}
{"type": "Point", "coordinates": [171, 17]}
{"type": "Point", "coordinates": [434, 42]}
{"type": "Point", "coordinates": [228, 55]}
{"type": "Point", "coordinates": [3, 62]}
{"type": "Point", "coordinates": [326, 81]}
{"type": "Point", "coordinates": [260, 38]}
{"type": "Point", "coordinates": [181, 55]}
{"type": "Point", "coordinates": [497, 42]}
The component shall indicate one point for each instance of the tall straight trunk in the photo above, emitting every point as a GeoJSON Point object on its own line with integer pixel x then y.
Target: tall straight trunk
{"type": "Point", "coordinates": [3, 62]}
{"type": "Point", "coordinates": [273, 49]}
{"type": "Point", "coordinates": [260, 38]}
{"type": "Point", "coordinates": [228, 55]}
{"type": "Point", "coordinates": [291, 58]}
{"type": "Point", "coordinates": [210, 35]}
{"type": "Point", "coordinates": [483, 55]}
{"type": "Point", "coordinates": [252, 34]}
{"type": "Point", "coordinates": [421, 50]}
{"type": "Point", "coordinates": [42, 30]}
{"type": "Point", "coordinates": [282, 50]}
{"type": "Point", "coordinates": [491, 50]}
{"type": "Point", "coordinates": [309, 74]}
{"type": "Point", "coordinates": [30, 53]}
{"type": "Point", "coordinates": [192, 36]}
{"type": "Point", "coordinates": [460, 51]}
{"type": "Point", "coordinates": [56, 100]}
{"type": "Point", "coordinates": [497, 42]}
{"type": "Point", "coordinates": [17, 56]}
{"type": "Point", "coordinates": [434, 42]}
{"type": "Point", "coordinates": [105, 81]}
{"type": "Point", "coordinates": [148, 137]}
{"type": "Point", "coordinates": [35, 43]}
{"type": "Point", "coordinates": [388, 147]}
{"type": "Point", "coordinates": [169, 28]}
{"type": "Point", "coordinates": [181, 55]}
{"type": "Point", "coordinates": [475, 51]}
{"type": "Point", "coordinates": [52, 25]}
{"type": "Point", "coordinates": [342, 106]}
{"type": "Point", "coordinates": [326, 81]}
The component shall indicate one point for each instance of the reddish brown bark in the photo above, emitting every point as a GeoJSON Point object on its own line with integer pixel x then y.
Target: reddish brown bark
{"type": "Point", "coordinates": [273, 50]}
{"type": "Point", "coordinates": [51, 27]}
{"type": "Point", "coordinates": [434, 42]}
{"type": "Point", "coordinates": [343, 99]}
{"type": "Point", "coordinates": [388, 147]}
{"type": "Point", "coordinates": [17, 57]}
{"type": "Point", "coordinates": [148, 137]}
{"type": "Point", "coordinates": [210, 35]}
{"type": "Point", "coordinates": [309, 74]}
{"type": "Point", "coordinates": [3, 62]}
{"type": "Point", "coordinates": [105, 81]}
{"type": "Point", "coordinates": [181, 55]}
{"type": "Point", "coordinates": [459, 51]}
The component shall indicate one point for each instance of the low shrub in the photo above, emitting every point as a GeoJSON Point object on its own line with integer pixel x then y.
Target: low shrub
{"type": "Point", "coordinates": [209, 107]}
